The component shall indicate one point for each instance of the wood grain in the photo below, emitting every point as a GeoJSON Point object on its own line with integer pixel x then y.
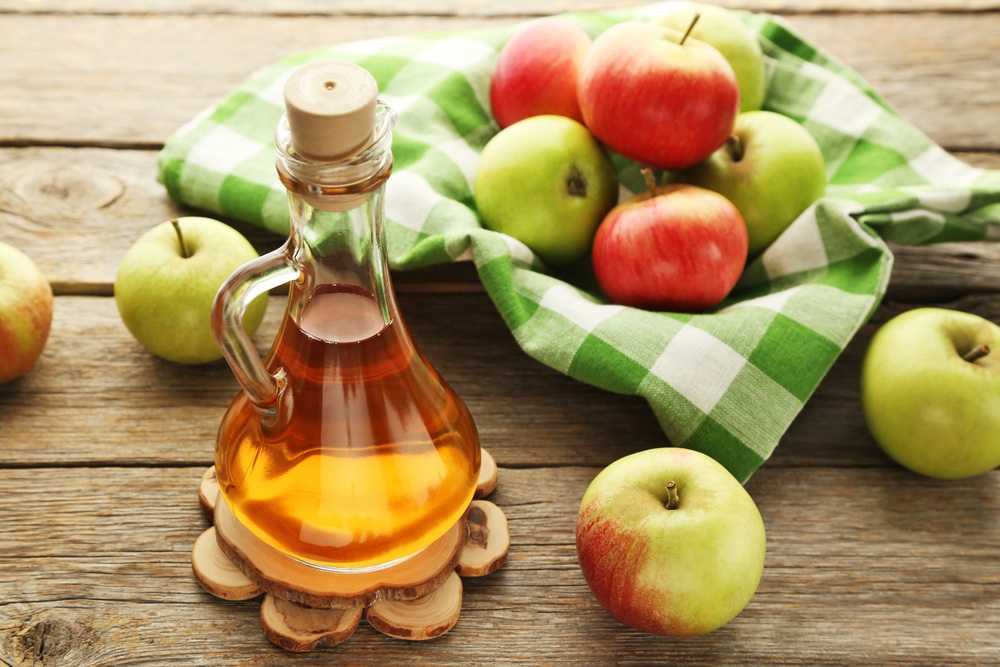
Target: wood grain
{"type": "Point", "coordinates": [896, 567]}
{"type": "Point", "coordinates": [446, 8]}
{"type": "Point", "coordinates": [130, 82]}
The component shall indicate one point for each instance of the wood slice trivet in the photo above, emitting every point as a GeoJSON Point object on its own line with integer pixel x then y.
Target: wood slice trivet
{"type": "Point", "coordinates": [304, 608]}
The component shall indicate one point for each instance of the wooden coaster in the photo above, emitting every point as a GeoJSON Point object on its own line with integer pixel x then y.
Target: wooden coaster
{"type": "Point", "coordinates": [217, 573]}
{"type": "Point", "coordinates": [426, 617]}
{"type": "Point", "coordinates": [305, 607]}
{"type": "Point", "coordinates": [296, 628]}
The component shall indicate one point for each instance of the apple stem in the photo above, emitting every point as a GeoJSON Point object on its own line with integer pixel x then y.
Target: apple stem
{"type": "Point", "coordinates": [976, 353]}
{"type": "Point", "coordinates": [673, 500]}
{"type": "Point", "coordinates": [647, 174]}
{"type": "Point", "coordinates": [735, 147]}
{"type": "Point", "coordinates": [690, 28]}
{"type": "Point", "coordinates": [180, 238]}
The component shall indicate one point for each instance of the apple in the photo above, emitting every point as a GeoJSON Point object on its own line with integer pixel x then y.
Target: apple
{"type": "Point", "coordinates": [25, 312]}
{"type": "Point", "coordinates": [722, 29]}
{"type": "Point", "coordinates": [670, 542]}
{"type": "Point", "coordinates": [547, 182]}
{"type": "Point", "coordinates": [166, 283]}
{"type": "Point", "coordinates": [930, 391]}
{"type": "Point", "coordinates": [656, 95]}
{"type": "Point", "coordinates": [771, 168]}
{"type": "Point", "coordinates": [537, 70]}
{"type": "Point", "coordinates": [675, 247]}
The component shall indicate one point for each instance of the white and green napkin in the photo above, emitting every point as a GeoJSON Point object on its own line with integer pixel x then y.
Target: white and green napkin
{"type": "Point", "coordinates": [728, 382]}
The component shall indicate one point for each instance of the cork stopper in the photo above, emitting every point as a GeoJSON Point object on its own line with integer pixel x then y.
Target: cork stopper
{"type": "Point", "coordinates": [330, 107]}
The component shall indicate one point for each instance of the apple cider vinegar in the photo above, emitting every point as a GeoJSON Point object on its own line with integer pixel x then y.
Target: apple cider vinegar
{"type": "Point", "coordinates": [361, 475]}
{"type": "Point", "coordinates": [345, 450]}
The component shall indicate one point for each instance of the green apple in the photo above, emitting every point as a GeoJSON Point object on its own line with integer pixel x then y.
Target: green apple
{"type": "Point", "coordinates": [670, 542]}
{"type": "Point", "coordinates": [166, 283]}
{"type": "Point", "coordinates": [930, 392]}
{"type": "Point", "coordinates": [25, 312]}
{"type": "Point", "coordinates": [771, 168]}
{"type": "Point", "coordinates": [738, 44]}
{"type": "Point", "coordinates": [547, 182]}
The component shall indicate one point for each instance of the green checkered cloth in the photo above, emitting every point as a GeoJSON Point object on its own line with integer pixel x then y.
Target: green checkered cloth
{"type": "Point", "coordinates": [729, 382]}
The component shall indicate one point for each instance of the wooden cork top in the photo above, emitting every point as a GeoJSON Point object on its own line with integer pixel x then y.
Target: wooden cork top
{"type": "Point", "coordinates": [330, 107]}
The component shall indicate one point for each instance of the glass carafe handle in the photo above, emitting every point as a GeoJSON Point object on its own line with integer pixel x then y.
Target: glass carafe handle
{"type": "Point", "coordinates": [247, 283]}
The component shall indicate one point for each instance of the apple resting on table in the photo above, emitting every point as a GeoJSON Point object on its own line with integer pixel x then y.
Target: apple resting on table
{"type": "Point", "coordinates": [25, 312]}
{"type": "Point", "coordinates": [771, 168]}
{"type": "Point", "coordinates": [674, 247]}
{"type": "Point", "coordinates": [168, 279]}
{"type": "Point", "coordinates": [656, 95]}
{"type": "Point", "coordinates": [930, 391]}
{"type": "Point", "coordinates": [722, 29]}
{"type": "Point", "coordinates": [670, 542]}
{"type": "Point", "coordinates": [536, 71]}
{"type": "Point", "coordinates": [547, 182]}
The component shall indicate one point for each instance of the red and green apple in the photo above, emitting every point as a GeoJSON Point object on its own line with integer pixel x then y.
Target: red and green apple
{"type": "Point", "coordinates": [537, 70]}
{"type": "Point", "coordinates": [675, 247]}
{"type": "Point", "coordinates": [656, 95]}
{"type": "Point", "coordinates": [25, 312]}
{"type": "Point", "coordinates": [670, 542]}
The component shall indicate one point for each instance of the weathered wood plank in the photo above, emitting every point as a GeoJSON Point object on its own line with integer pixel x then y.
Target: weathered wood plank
{"type": "Point", "coordinates": [131, 83]}
{"type": "Point", "coordinates": [96, 571]}
{"type": "Point", "coordinates": [77, 211]}
{"type": "Point", "coordinates": [514, 8]}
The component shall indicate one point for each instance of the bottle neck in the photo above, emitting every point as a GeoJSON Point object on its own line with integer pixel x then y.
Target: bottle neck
{"type": "Point", "coordinates": [337, 211]}
{"type": "Point", "coordinates": [340, 249]}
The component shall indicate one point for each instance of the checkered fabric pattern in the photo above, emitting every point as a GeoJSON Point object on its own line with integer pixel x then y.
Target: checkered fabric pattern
{"type": "Point", "coordinates": [728, 382]}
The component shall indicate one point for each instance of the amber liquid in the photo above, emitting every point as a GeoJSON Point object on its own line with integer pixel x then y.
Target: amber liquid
{"type": "Point", "coordinates": [379, 457]}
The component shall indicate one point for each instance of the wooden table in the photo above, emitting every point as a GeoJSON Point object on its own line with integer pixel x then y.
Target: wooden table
{"type": "Point", "coordinates": [102, 445]}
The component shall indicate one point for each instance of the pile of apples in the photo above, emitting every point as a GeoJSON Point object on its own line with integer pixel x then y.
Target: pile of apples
{"type": "Point", "coordinates": [667, 539]}
{"type": "Point", "coordinates": [679, 93]}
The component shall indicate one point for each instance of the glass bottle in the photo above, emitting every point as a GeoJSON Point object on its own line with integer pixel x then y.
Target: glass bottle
{"type": "Point", "coordinates": [345, 450]}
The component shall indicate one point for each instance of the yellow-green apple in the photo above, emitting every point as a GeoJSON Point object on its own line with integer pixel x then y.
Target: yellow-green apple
{"type": "Point", "coordinates": [25, 312]}
{"type": "Point", "coordinates": [537, 70]}
{"type": "Point", "coordinates": [166, 283]}
{"type": "Point", "coordinates": [732, 37]}
{"type": "Point", "coordinates": [656, 95]}
{"type": "Point", "coordinates": [771, 168]}
{"type": "Point", "coordinates": [670, 542]}
{"type": "Point", "coordinates": [673, 247]}
{"type": "Point", "coordinates": [930, 392]}
{"type": "Point", "coordinates": [547, 182]}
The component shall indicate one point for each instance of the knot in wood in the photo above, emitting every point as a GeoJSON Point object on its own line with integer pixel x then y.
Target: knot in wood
{"type": "Point", "coordinates": [479, 532]}
{"type": "Point", "coordinates": [48, 640]}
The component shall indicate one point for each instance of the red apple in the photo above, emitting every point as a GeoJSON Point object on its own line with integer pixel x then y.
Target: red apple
{"type": "Point", "coordinates": [674, 247]}
{"type": "Point", "coordinates": [537, 70]}
{"type": "Point", "coordinates": [657, 96]}
{"type": "Point", "coordinates": [25, 312]}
